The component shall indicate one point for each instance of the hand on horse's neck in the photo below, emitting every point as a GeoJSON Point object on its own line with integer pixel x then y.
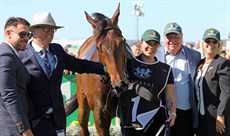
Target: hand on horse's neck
{"type": "Point", "coordinates": [148, 59]}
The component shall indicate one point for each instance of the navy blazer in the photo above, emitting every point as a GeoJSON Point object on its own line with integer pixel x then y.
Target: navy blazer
{"type": "Point", "coordinates": [193, 58]}
{"type": "Point", "coordinates": [14, 79]}
{"type": "Point", "coordinates": [45, 92]}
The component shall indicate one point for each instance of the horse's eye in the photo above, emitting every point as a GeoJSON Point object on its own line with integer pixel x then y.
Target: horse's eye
{"type": "Point", "coordinates": [99, 49]}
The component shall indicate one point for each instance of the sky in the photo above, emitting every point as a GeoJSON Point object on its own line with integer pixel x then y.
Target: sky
{"type": "Point", "coordinates": [194, 16]}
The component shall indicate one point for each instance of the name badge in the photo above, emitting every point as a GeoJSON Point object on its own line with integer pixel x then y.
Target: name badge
{"type": "Point", "coordinates": [60, 132]}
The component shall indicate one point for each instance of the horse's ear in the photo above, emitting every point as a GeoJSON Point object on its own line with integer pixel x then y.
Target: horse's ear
{"type": "Point", "coordinates": [90, 20]}
{"type": "Point", "coordinates": [114, 19]}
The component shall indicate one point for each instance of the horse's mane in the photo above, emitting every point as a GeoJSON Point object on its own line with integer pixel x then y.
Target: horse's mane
{"type": "Point", "coordinates": [101, 21]}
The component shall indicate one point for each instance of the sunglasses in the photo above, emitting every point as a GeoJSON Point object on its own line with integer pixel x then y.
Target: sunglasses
{"type": "Point", "coordinates": [23, 34]}
{"type": "Point", "coordinates": [211, 41]}
{"type": "Point", "coordinates": [47, 29]}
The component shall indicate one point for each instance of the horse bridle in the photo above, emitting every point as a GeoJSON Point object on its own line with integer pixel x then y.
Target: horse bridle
{"type": "Point", "coordinates": [113, 90]}
{"type": "Point", "coordinates": [106, 79]}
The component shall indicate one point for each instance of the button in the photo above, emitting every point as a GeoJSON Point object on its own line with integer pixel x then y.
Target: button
{"type": "Point", "coordinates": [19, 125]}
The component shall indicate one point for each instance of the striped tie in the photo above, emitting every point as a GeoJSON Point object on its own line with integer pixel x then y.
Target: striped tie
{"type": "Point", "coordinates": [46, 61]}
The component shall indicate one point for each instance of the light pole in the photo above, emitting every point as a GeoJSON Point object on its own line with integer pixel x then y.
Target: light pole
{"type": "Point", "coordinates": [137, 12]}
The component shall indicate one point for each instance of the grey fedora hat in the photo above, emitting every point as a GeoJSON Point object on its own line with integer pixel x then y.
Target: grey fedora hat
{"type": "Point", "coordinates": [43, 19]}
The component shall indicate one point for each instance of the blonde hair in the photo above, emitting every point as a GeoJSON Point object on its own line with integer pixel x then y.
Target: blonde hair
{"type": "Point", "coordinates": [219, 49]}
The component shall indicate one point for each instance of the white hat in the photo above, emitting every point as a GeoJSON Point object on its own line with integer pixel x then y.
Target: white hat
{"type": "Point", "coordinates": [43, 19]}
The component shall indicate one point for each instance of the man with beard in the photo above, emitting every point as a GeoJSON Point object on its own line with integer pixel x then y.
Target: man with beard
{"type": "Point", "coordinates": [14, 79]}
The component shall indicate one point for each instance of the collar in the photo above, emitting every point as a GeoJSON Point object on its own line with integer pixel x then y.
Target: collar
{"type": "Point", "coordinates": [37, 48]}
{"type": "Point", "coordinates": [14, 50]}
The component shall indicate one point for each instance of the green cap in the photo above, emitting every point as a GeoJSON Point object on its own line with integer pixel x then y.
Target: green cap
{"type": "Point", "coordinates": [211, 33]}
{"type": "Point", "coordinates": [151, 35]}
{"type": "Point", "coordinates": [172, 28]}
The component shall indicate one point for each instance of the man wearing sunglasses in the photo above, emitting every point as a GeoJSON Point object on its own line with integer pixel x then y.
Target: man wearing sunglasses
{"type": "Point", "coordinates": [45, 62]}
{"type": "Point", "coordinates": [14, 79]}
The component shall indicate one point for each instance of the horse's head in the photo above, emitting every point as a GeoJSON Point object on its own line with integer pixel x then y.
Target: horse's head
{"type": "Point", "coordinates": [111, 46]}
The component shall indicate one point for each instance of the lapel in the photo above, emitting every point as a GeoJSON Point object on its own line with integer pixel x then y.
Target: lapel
{"type": "Point", "coordinates": [9, 49]}
{"type": "Point", "coordinates": [211, 67]}
{"type": "Point", "coordinates": [191, 61]}
{"type": "Point", "coordinates": [34, 56]}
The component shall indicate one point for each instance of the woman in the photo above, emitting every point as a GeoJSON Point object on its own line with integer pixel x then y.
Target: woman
{"type": "Point", "coordinates": [151, 86]}
{"type": "Point", "coordinates": [213, 88]}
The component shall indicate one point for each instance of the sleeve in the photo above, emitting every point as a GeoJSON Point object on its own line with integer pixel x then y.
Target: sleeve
{"type": "Point", "coordinates": [171, 78]}
{"type": "Point", "coordinates": [11, 97]}
{"type": "Point", "coordinates": [81, 65]}
{"type": "Point", "coordinates": [224, 85]}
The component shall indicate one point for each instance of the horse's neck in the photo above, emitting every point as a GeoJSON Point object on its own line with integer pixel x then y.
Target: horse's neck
{"type": "Point", "coordinates": [84, 47]}
{"type": "Point", "coordinates": [88, 50]}
{"type": "Point", "coordinates": [129, 54]}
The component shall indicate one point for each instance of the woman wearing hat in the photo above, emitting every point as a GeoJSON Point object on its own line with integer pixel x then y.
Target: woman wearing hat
{"type": "Point", "coordinates": [212, 85]}
{"type": "Point", "coordinates": [151, 82]}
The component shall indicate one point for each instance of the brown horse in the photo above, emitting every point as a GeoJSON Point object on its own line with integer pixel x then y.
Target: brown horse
{"type": "Point", "coordinates": [107, 46]}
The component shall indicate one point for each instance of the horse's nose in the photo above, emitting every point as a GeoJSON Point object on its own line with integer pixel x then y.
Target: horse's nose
{"type": "Point", "coordinates": [122, 86]}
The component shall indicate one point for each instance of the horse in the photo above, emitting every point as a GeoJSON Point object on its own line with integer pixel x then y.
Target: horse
{"type": "Point", "coordinates": [108, 46]}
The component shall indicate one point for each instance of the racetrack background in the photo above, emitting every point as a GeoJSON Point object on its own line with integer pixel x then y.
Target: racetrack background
{"type": "Point", "coordinates": [68, 89]}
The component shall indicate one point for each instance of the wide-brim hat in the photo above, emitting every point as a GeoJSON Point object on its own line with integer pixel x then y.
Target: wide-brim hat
{"type": "Point", "coordinates": [43, 19]}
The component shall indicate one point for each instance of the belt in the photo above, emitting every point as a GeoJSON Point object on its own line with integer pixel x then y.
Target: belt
{"type": "Point", "coordinates": [50, 110]}
{"type": "Point", "coordinates": [49, 113]}
{"type": "Point", "coordinates": [184, 111]}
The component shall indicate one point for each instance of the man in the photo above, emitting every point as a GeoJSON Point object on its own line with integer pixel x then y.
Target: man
{"type": "Point", "coordinates": [136, 48]}
{"type": "Point", "coordinates": [198, 48]}
{"type": "Point", "coordinates": [14, 79]}
{"type": "Point", "coordinates": [183, 62]}
{"type": "Point", "coordinates": [45, 62]}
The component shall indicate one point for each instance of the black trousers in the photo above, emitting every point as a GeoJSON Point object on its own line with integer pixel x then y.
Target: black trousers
{"type": "Point", "coordinates": [183, 124]}
{"type": "Point", "coordinates": [45, 127]}
{"type": "Point", "coordinates": [207, 126]}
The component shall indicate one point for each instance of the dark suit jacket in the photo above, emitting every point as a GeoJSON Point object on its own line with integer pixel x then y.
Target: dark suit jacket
{"type": "Point", "coordinates": [193, 58]}
{"type": "Point", "coordinates": [14, 79]}
{"type": "Point", "coordinates": [216, 91]}
{"type": "Point", "coordinates": [45, 92]}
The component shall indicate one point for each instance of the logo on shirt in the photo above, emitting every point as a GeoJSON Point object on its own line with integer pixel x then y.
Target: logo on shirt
{"type": "Point", "coordinates": [142, 73]}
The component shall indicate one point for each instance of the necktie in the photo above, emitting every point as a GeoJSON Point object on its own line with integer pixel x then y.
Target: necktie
{"type": "Point", "coordinates": [46, 61]}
